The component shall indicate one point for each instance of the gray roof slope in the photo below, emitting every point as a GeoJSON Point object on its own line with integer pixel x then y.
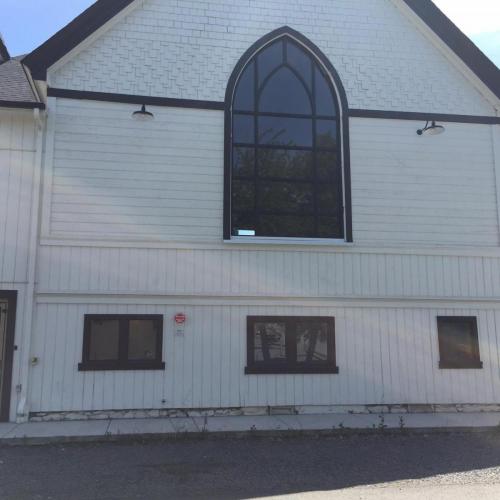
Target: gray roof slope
{"type": "Point", "coordinates": [16, 90]}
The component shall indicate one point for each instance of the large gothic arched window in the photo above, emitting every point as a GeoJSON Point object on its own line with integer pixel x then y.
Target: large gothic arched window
{"type": "Point", "coordinates": [284, 158]}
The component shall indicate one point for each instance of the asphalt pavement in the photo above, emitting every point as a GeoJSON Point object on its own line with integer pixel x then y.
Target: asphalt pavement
{"type": "Point", "coordinates": [378, 466]}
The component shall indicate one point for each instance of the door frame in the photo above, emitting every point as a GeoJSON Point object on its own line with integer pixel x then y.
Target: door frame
{"type": "Point", "coordinates": [10, 332]}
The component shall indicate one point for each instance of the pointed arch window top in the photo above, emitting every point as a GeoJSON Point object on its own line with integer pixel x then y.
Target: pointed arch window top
{"type": "Point", "coordinates": [284, 147]}
{"type": "Point", "coordinates": [283, 77]}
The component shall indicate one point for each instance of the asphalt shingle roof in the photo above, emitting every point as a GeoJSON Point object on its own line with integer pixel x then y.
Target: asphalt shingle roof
{"type": "Point", "coordinates": [15, 86]}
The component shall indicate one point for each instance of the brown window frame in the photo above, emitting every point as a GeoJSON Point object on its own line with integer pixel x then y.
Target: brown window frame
{"type": "Point", "coordinates": [475, 361]}
{"type": "Point", "coordinates": [291, 366]}
{"type": "Point", "coordinates": [122, 363]}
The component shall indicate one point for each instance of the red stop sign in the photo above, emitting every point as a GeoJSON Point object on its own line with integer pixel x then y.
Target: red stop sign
{"type": "Point", "coordinates": [180, 318]}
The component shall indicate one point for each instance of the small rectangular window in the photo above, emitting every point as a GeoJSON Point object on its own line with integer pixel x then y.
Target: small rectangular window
{"type": "Point", "coordinates": [122, 342]}
{"type": "Point", "coordinates": [290, 344]}
{"type": "Point", "coordinates": [458, 342]}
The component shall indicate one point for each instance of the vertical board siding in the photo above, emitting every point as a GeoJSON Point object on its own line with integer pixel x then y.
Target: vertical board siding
{"type": "Point", "coordinates": [385, 355]}
{"type": "Point", "coordinates": [17, 145]}
{"type": "Point", "coordinates": [258, 272]}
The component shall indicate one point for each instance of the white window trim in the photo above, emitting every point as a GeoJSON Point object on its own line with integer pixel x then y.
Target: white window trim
{"type": "Point", "coordinates": [252, 240]}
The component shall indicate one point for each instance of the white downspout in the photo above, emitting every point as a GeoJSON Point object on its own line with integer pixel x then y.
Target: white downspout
{"type": "Point", "coordinates": [23, 404]}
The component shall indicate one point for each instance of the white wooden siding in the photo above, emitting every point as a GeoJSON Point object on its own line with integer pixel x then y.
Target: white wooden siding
{"type": "Point", "coordinates": [115, 178]}
{"type": "Point", "coordinates": [17, 156]}
{"type": "Point", "coordinates": [189, 49]}
{"type": "Point", "coordinates": [386, 355]}
{"type": "Point", "coordinates": [279, 272]}
{"type": "Point", "coordinates": [423, 190]}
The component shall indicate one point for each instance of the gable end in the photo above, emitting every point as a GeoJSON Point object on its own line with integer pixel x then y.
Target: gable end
{"type": "Point", "coordinates": [103, 11]}
{"type": "Point", "coordinates": [65, 40]}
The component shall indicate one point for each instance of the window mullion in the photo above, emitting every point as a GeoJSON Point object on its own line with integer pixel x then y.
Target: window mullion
{"type": "Point", "coordinates": [123, 342]}
{"type": "Point", "coordinates": [291, 341]}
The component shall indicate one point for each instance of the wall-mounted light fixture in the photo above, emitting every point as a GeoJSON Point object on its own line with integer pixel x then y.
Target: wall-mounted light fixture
{"type": "Point", "coordinates": [143, 115]}
{"type": "Point", "coordinates": [431, 129]}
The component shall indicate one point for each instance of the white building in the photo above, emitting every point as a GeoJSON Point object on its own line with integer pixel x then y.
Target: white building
{"type": "Point", "coordinates": [317, 253]}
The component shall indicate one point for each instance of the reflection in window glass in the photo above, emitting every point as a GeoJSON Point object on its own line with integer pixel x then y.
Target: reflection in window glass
{"type": "Point", "coordinates": [291, 344]}
{"type": "Point", "coordinates": [458, 341]}
{"type": "Point", "coordinates": [294, 153]}
{"type": "Point", "coordinates": [104, 339]}
{"type": "Point", "coordinates": [325, 103]}
{"type": "Point", "coordinates": [286, 197]}
{"type": "Point", "coordinates": [330, 227]}
{"type": "Point", "coordinates": [285, 93]}
{"type": "Point", "coordinates": [243, 162]}
{"type": "Point", "coordinates": [288, 226]}
{"type": "Point", "coordinates": [269, 342]}
{"type": "Point", "coordinates": [142, 340]}
{"type": "Point", "coordinates": [326, 133]}
{"type": "Point", "coordinates": [300, 62]}
{"type": "Point", "coordinates": [285, 131]}
{"type": "Point", "coordinates": [312, 342]}
{"type": "Point", "coordinates": [285, 164]}
{"type": "Point", "coordinates": [244, 98]}
{"type": "Point", "coordinates": [269, 59]}
{"type": "Point", "coordinates": [244, 224]}
{"type": "Point", "coordinates": [243, 195]}
{"type": "Point", "coordinates": [328, 167]}
{"type": "Point", "coordinates": [243, 129]}
{"type": "Point", "coordinates": [328, 197]}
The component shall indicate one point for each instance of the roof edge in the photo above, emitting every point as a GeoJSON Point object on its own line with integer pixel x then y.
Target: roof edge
{"type": "Point", "coordinates": [103, 11]}
{"type": "Point", "coordinates": [72, 35]}
{"type": "Point", "coordinates": [458, 42]}
{"type": "Point", "coordinates": [4, 53]}
{"type": "Point", "coordinates": [22, 105]}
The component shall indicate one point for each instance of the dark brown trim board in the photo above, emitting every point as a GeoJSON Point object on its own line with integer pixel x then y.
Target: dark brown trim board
{"type": "Point", "coordinates": [102, 11]}
{"type": "Point", "coordinates": [135, 99]}
{"type": "Point", "coordinates": [65, 40]}
{"type": "Point", "coordinates": [462, 362]}
{"type": "Point", "coordinates": [22, 105]}
{"type": "Point", "coordinates": [233, 81]}
{"type": "Point", "coordinates": [290, 365]}
{"type": "Point", "coordinates": [11, 298]}
{"type": "Point", "coordinates": [422, 116]}
{"type": "Point", "coordinates": [122, 362]}
{"type": "Point", "coordinates": [458, 42]}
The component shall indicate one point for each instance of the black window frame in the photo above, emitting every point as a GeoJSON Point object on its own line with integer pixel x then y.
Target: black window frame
{"type": "Point", "coordinates": [342, 149]}
{"type": "Point", "coordinates": [122, 363]}
{"type": "Point", "coordinates": [291, 366]}
{"type": "Point", "coordinates": [475, 361]}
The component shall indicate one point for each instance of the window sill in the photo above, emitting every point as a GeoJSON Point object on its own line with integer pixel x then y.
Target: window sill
{"type": "Point", "coordinates": [253, 240]}
{"type": "Point", "coordinates": [292, 370]}
{"type": "Point", "coordinates": [470, 365]}
{"type": "Point", "coordinates": [98, 367]}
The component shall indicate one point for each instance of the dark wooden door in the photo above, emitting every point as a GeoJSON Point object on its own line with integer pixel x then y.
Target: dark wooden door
{"type": "Point", "coordinates": [8, 302]}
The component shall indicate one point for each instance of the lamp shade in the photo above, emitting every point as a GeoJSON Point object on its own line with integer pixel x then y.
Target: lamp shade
{"type": "Point", "coordinates": [431, 129]}
{"type": "Point", "coordinates": [143, 115]}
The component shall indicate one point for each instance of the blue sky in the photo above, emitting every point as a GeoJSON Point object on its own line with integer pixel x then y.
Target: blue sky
{"type": "Point", "coordinates": [25, 24]}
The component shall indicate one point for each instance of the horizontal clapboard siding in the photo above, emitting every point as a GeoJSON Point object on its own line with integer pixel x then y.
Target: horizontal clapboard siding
{"type": "Point", "coordinates": [412, 189]}
{"type": "Point", "coordinates": [115, 177]}
{"type": "Point", "coordinates": [17, 155]}
{"type": "Point", "coordinates": [385, 356]}
{"type": "Point", "coordinates": [260, 272]}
